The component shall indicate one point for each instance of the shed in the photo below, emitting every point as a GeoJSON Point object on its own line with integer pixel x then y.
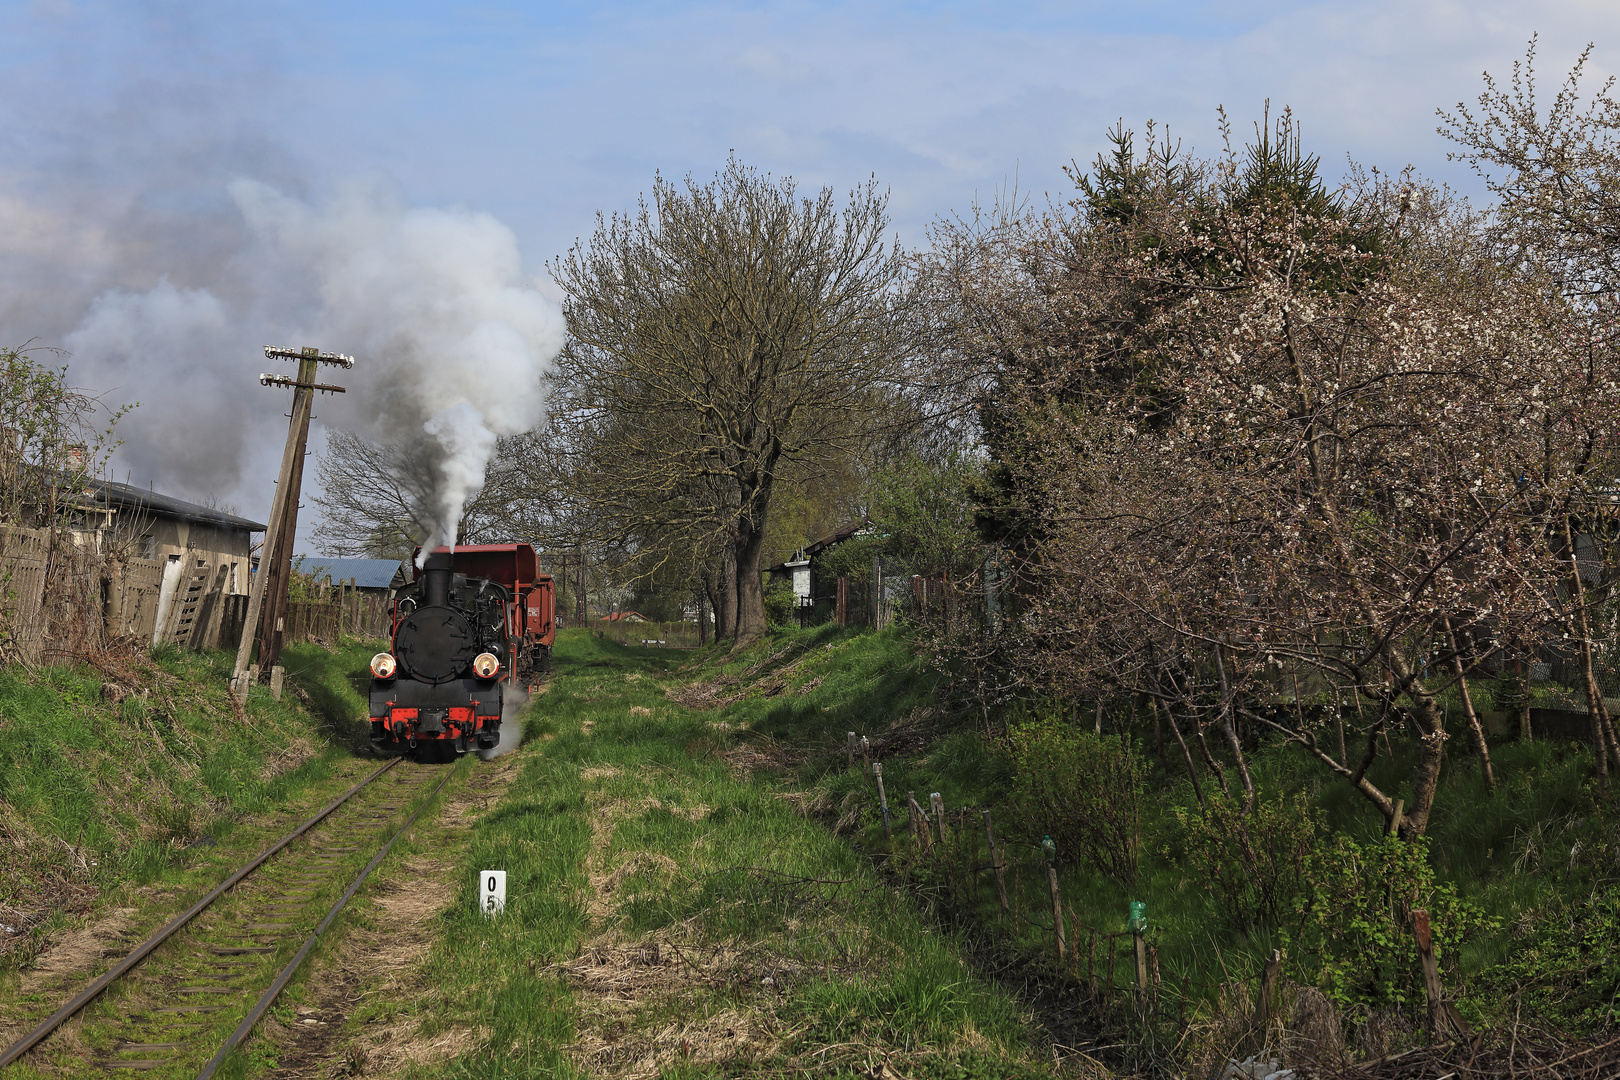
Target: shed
{"type": "Point", "coordinates": [801, 571]}
{"type": "Point", "coordinates": [187, 579]}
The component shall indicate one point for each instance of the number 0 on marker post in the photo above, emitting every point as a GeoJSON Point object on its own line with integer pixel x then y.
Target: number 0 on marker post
{"type": "Point", "coordinates": [492, 892]}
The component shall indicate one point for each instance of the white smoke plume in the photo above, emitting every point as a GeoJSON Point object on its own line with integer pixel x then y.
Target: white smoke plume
{"type": "Point", "coordinates": [454, 340]}
{"type": "Point", "coordinates": [511, 731]}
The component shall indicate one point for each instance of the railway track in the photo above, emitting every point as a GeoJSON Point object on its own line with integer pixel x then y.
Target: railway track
{"type": "Point", "coordinates": [227, 956]}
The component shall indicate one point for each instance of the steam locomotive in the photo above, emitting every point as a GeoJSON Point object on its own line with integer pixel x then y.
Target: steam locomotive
{"type": "Point", "coordinates": [473, 628]}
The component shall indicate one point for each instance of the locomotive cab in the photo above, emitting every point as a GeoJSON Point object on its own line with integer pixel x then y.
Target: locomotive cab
{"type": "Point", "coordinates": [441, 686]}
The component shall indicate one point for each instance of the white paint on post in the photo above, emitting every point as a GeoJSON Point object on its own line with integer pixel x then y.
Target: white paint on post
{"type": "Point", "coordinates": [492, 892]}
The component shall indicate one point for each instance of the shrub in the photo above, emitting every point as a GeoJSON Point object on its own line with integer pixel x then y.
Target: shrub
{"type": "Point", "coordinates": [1567, 966]}
{"type": "Point", "coordinates": [780, 602]}
{"type": "Point", "coordinates": [1082, 789]}
{"type": "Point", "coordinates": [1355, 920]}
{"type": "Point", "coordinates": [1256, 863]}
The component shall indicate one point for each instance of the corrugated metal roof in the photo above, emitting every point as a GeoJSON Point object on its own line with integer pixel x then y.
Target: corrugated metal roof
{"type": "Point", "coordinates": [126, 495]}
{"type": "Point", "coordinates": [367, 573]}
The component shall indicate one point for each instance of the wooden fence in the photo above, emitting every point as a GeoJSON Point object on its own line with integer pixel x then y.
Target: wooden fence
{"type": "Point", "coordinates": [344, 612]}
{"type": "Point", "coordinates": [61, 595]}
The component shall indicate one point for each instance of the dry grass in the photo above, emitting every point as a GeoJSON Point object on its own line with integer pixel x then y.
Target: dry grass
{"type": "Point", "coordinates": [642, 1009]}
{"type": "Point", "coordinates": [763, 755]}
{"type": "Point", "coordinates": [76, 952]}
{"type": "Point", "coordinates": [653, 1001]}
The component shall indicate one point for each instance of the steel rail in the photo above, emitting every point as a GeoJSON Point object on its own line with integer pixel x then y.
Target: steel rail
{"type": "Point", "coordinates": [268, 998]}
{"type": "Point", "coordinates": [142, 951]}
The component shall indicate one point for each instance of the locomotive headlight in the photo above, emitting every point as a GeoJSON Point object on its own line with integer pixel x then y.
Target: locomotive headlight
{"type": "Point", "coordinates": [382, 665]}
{"type": "Point", "coordinates": [485, 666]}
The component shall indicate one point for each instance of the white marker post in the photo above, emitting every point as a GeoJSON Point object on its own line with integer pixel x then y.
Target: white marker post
{"type": "Point", "coordinates": [492, 892]}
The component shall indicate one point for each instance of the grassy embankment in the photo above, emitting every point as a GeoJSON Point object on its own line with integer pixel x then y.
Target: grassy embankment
{"type": "Point", "coordinates": [1531, 869]}
{"type": "Point", "coordinates": [664, 814]}
{"type": "Point", "coordinates": [135, 776]}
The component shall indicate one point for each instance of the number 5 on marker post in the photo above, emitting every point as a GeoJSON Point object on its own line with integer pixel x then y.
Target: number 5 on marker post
{"type": "Point", "coordinates": [492, 892]}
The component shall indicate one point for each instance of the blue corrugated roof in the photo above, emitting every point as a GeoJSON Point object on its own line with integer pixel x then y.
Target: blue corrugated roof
{"type": "Point", "coordinates": [367, 573]}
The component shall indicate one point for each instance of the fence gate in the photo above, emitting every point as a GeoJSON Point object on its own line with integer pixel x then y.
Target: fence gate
{"type": "Point", "coordinates": [189, 606]}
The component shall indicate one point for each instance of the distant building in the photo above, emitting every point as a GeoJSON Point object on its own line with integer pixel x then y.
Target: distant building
{"type": "Point", "coordinates": [377, 577]}
{"type": "Point", "coordinates": [801, 571]}
{"type": "Point", "coordinates": [624, 616]}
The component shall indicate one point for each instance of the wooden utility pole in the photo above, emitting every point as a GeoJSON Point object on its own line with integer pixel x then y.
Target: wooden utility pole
{"type": "Point", "coordinates": [267, 601]}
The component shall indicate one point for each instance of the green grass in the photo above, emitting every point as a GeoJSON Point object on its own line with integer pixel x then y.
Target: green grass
{"type": "Point", "coordinates": [629, 828]}
{"type": "Point", "coordinates": [1535, 860]}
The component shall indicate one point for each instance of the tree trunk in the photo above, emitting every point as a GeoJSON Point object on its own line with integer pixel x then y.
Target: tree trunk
{"type": "Point", "coordinates": [1583, 633]}
{"type": "Point", "coordinates": [1228, 708]}
{"type": "Point", "coordinates": [1431, 746]}
{"type": "Point", "coordinates": [1192, 770]}
{"type": "Point", "coordinates": [1475, 731]}
{"type": "Point", "coordinates": [724, 594]}
{"type": "Point", "coordinates": [751, 620]}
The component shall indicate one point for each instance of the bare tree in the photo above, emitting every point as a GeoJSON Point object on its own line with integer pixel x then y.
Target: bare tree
{"type": "Point", "coordinates": [52, 437]}
{"type": "Point", "coordinates": [377, 499]}
{"type": "Point", "coordinates": [1558, 214]}
{"type": "Point", "coordinates": [720, 336]}
{"type": "Point", "coordinates": [1558, 178]}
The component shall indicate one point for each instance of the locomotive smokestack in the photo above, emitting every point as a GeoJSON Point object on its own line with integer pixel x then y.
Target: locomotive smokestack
{"type": "Point", "coordinates": [436, 574]}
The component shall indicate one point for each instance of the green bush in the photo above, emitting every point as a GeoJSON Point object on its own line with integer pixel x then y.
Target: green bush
{"type": "Point", "coordinates": [1082, 789]}
{"type": "Point", "coordinates": [1567, 967]}
{"type": "Point", "coordinates": [779, 602]}
{"type": "Point", "coordinates": [1355, 921]}
{"type": "Point", "coordinates": [1257, 863]}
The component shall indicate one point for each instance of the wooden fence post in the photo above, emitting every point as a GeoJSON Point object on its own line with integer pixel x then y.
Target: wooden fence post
{"type": "Point", "coordinates": [1091, 964]}
{"type": "Point", "coordinates": [1153, 962]}
{"type": "Point", "coordinates": [1393, 826]}
{"type": "Point", "coordinates": [1269, 980]}
{"type": "Point", "coordinates": [1108, 990]}
{"type": "Point", "coordinates": [938, 803]}
{"type": "Point", "coordinates": [997, 861]}
{"type": "Point", "coordinates": [883, 799]}
{"type": "Point", "coordinates": [1444, 1021]}
{"type": "Point", "coordinates": [919, 824]}
{"type": "Point", "coordinates": [1057, 911]}
{"type": "Point", "coordinates": [866, 754]}
{"type": "Point", "coordinates": [849, 748]}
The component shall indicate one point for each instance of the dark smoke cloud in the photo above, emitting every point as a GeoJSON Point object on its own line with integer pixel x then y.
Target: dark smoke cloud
{"type": "Point", "coordinates": [151, 227]}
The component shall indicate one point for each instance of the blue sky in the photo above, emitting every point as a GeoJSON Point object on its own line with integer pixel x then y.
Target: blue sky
{"type": "Point", "coordinates": [123, 126]}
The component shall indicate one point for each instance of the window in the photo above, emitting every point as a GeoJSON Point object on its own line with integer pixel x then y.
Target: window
{"type": "Point", "coordinates": [148, 546]}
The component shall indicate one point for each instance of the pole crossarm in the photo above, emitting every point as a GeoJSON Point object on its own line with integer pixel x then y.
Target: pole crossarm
{"type": "Point", "coordinates": [308, 352]}
{"type": "Point", "coordinates": [266, 379]}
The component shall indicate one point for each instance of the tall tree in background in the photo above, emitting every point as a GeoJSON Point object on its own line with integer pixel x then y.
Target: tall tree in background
{"type": "Point", "coordinates": [719, 336]}
{"type": "Point", "coordinates": [1556, 176]}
